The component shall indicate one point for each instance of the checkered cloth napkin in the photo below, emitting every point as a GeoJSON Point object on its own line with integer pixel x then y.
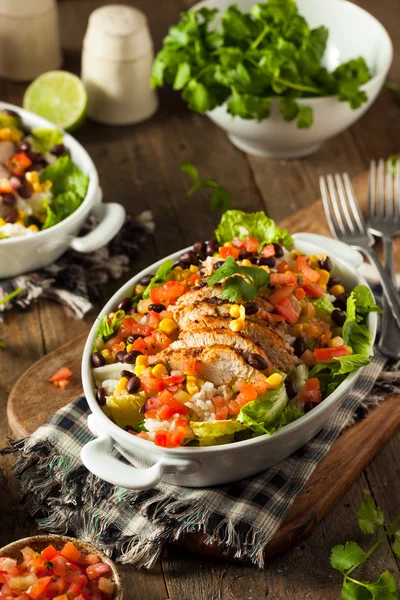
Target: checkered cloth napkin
{"type": "Point", "coordinates": [134, 526]}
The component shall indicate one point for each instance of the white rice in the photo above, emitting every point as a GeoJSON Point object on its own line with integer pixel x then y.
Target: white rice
{"type": "Point", "coordinates": [110, 385]}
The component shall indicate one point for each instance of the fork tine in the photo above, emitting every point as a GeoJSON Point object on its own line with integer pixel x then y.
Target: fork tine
{"type": "Point", "coordinates": [381, 188]}
{"type": "Point", "coordinates": [397, 190]}
{"type": "Point", "coordinates": [327, 207]}
{"type": "Point", "coordinates": [359, 219]}
{"type": "Point", "coordinates": [389, 212]}
{"type": "Point", "coordinates": [371, 206]}
{"type": "Point", "coordinates": [335, 204]}
{"type": "Point", "coordinates": [344, 202]}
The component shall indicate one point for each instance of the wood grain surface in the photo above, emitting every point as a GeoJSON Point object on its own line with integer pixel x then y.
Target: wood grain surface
{"type": "Point", "coordinates": [139, 167]}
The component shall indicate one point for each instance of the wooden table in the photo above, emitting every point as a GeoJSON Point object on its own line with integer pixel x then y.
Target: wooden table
{"type": "Point", "coordinates": [139, 167]}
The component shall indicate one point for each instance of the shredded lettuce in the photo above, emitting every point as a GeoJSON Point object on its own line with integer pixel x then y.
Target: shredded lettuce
{"type": "Point", "coordinates": [106, 330]}
{"type": "Point", "coordinates": [236, 223]}
{"type": "Point", "coordinates": [51, 217]}
{"type": "Point", "coordinates": [260, 414]}
{"type": "Point", "coordinates": [43, 140]}
{"type": "Point", "coordinates": [364, 300]}
{"type": "Point", "coordinates": [160, 277]}
{"type": "Point", "coordinates": [355, 334]}
{"type": "Point", "coordinates": [210, 433]}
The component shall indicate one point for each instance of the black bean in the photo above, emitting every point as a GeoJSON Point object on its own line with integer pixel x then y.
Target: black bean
{"type": "Point", "coordinates": [12, 216]}
{"type": "Point", "coordinates": [269, 262]}
{"type": "Point", "coordinates": [10, 113]}
{"type": "Point", "coordinates": [326, 264]}
{"type": "Point", "coordinates": [128, 428]}
{"type": "Point", "coordinates": [130, 357]}
{"type": "Point", "coordinates": [24, 146]}
{"type": "Point", "coordinates": [120, 356]}
{"type": "Point", "coordinates": [308, 406]}
{"type": "Point", "coordinates": [299, 347]}
{"type": "Point", "coordinates": [9, 199]}
{"type": "Point", "coordinates": [58, 150]}
{"type": "Point", "coordinates": [158, 308]}
{"type": "Point", "coordinates": [257, 361]}
{"type": "Point", "coordinates": [34, 221]}
{"type": "Point", "coordinates": [189, 258]}
{"type": "Point", "coordinates": [98, 359]}
{"type": "Point", "coordinates": [134, 336]}
{"type": "Point", "coordinates": [145, 280]}
{"type": "Point", "coordinates": [341, 301]}
{"type": "Point", "coordinates": [338, 316]}
{"type": "Point", "coordinates": [125, 304]}
{"type": "Point", "coordinates": [333, 281]}
{"type": "Point", "coordinates": [211, 247]}
{"type": "Point", "coordinates": [101, 396]}
{"type": "Point", "coordinates": [199, 247]}
{"type": "Point", "coordinates": [253, 260]}
{"type": "Point", "coordinates": [127, 374]}
{"type": "Point", "coordinates": [245, 254]}
{"type": "Point", "coordinates": [133, 385]}
{"type": "Point", "coordinates": [24, 192]}
{"type": "Point", "coordinates": [35, 166]}
{"type": "Point", "coordinates": [291, 388]}
{"type": "Point", "coordinates": [251, 308]}
{"type": "Point", "coordinates": [279, 252]}
{"type": "Point", "coordinates": [218, 264]}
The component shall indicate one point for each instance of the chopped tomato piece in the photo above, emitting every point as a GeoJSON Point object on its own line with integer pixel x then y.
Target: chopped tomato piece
{"type": "Point", "coordinates": [106, 585]}
{"type": "Point", "coordinates": [129, 326]}
{"type": "Point", "coordinates": [161, 438]}
{"type": "Point", "coordinates": [62, 597]}
{"type": "Point", "coordinates": [260, 386]}
{"type": "Point", "coordinates": [113, 342]}
{"type": "Point", "coordinates": [63, 383]}
{"type": "Point", "coordinates": [18, 163]}
{"type": "Point", "coordinates": [313, 384]}
{"type": "Point", "coordinates": [71, 552]}
{"type": "Point", "coordinates": [226, 251]}
{"type": "Point", "coordinates": [39, 587]}
{"type": "Point", "coordinates": [251, 244]}
{"type": "Point", "coordinates": [312, 289]}
{"type": "Point", "coordinates": [313, 396]}
{"type": "Point", "coordinates": [285, 308]}
{"type": "Point", "coordinates": [193, 279]}
{"type": "Point", "coordinates": [141, 346]}
{"type": "Point", "coordinates": [160, 341]}
{"type": "Point", "coordinates": [173, 379]}
{"type": "Point", "coordinates": [280, 293]}
{"type": "Point", "coordinates": [287, 278]}
{"type": "Point", "coordinates": [56, 587]}
{"type": "Point", "coordinates": [78, 578]}
{"type": "Point", "coordinates": [49, 552]}
{"type": "Point", "coordinates": [221, 414]}
{"type": "Point", "coordinates": [191, 365]}
{"type": "Point", "coordinates": [268, 251]}
{"type": "Point", "coordinates": [326, 354]}
{"type": "Point", "coordinates": [152, 319]}
{"type": "Point", "coordinates": [300, 293]}
{"type": "Point", "coordinates": [283, 267]}
{"type": "Point", "coordinates": [61, 374]}
{"type": "Point", "coordinates": [151, 384]}
{"type": "Point", "coordinates": [60, 566]}
{"type": "Point", "coordinates": [74, 590]}
{"type": "Point", "coordinates": [169, 406]}
{"type": "Point", "coordinates": [178, 435]}
{"type": "Point", "coordinates": [168, 292]}
{"type": "Point", "coordinates": [238, 243]}
{"type": "Point", "coordinates": [234, 407]}
{"type": "Point", "coordinates": [95, 571]}
{"type": "Point", "coordinates": [272, 317]}
{"type": "Point", "coordinates": [247, 393]}
{"type": "Point", "coordinates": [304, 268]}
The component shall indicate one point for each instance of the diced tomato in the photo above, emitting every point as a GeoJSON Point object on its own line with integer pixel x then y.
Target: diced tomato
{"type": "Point", "coordinates": [260, 386]}
{"type": "Point", "coordinates": [251, 244]}
{"type": "Point", "coordinates": [313, 396]}
{"type": "Point", "coordinates": [283, 267]}
{"type": "Point", "coordinates": [129, 326]}
{"type": "Point", "coordinates": [95, 571]}
{"type": "Point", "coordinates": [152, 319]}
{"type": "Point", "coordinates": [160, 341]}
{"type": "Point", "coordinates": [178, 435]}
{"type": "Point", "coordinates": [287, 278]}
{"type": "Point", "coordinates": [2, 578]}
{"type": "Point", "coordinates": [106, 585]}
{"type": "Point", "coordinates": [300, 293]}
{"type": "Point", "coordinates": [63, 383]}
{"type": "Point", "coordinates": [326, 354]}
{"type": "Point", "coordinates": [173, 379]}
{"type": "Point", "coordinates": [71, 552]}
{"type": "Point", "coordinates": [312, 384]}
{"type": "Point", "coordinates": [141, 346]}
{"type": "Point", "coordinates": [49, 552]}
{"type": "Point", "coordinates": [234, 407]}
{"type": "Point", "coordinates": [161, 438]}
{"type": "Point", "coordinates": [325, 337]}
{"type": "Point", "coordinates": [56, 587]}
{"type": "Point", "coordinates": [282, 292]}
{"type": "Point", "coordinates": [191, 365]}
{"type": "Point", "coordinates": [5, 186]}
{"type": "Point", "coordinates": [226, 251]}
{"type": "Point", "coordinates": [304, 268]}
{"type": "Point", "coordinates": [141, 434]}
{"type": "Point", "coordinates": [312, 289]}
{"type": "Point", "coordinates": [272, 317]}
{"type": "Point", "coordinates": [39, 587]}
{"type": "Point", "coordinates": [268, 251]}
{"type": "Point", "coordinates": [60, 566]}
{"type": "Point", "coordinates": [193, 279]}
{"type": "Point", "coordinates": [74, 589]}
{"type": "Point", "coordinates": [246, 395]}
{"type": "Point", "coordinates": [18, 163]}
{"type": "Point", "coordinates": [113, 342]}
{"type": "Point", "coordinates": [221, 414]}
{"type": "Point", "coordinates": [285, 308]}
{"type": "Point", "coordinates": [238, 243]}
{"type": "Point", "coordinates": [61, 374]}
{"type": "Point", "coordinates": [62, 597]}
{"type": "Point", "coordinates": [92, 559]}
{"type": "Point", "coordinates": [151, 384]}
{"type": "Point", "coordinates": [168, 292]}
{"type": "Point", "coordinates": [169, 406]}
{"type": "Point", "coordinates": [77, 578]}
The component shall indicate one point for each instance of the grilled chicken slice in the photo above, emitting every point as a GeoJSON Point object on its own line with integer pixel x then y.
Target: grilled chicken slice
{"type": "Point", "coordinates": [212, 295]}
{"type": "Point", "coordinates": [219, 364]}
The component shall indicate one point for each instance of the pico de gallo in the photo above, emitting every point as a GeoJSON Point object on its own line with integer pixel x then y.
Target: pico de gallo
{"type": "Point", "coordinates": [57, 574]}
{"type": "Point", "coordinates": [281, 326]}
{"type": "Point", "coordinates": [39, 183]}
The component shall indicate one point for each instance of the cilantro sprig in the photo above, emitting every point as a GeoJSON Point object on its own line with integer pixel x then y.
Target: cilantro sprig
{"type": "Point", "coordinates": [242, 283]}
{"type": "Point", "coordinates": [220, 198]}
{"type": "Point", "coordinates": [348, 557]}
{"type": "Point", "coordinates": [160, 277]}
{"type": "Point", "coordinates": [244, 60]}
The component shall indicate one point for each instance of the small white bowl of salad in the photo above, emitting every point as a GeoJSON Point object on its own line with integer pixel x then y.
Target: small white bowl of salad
{"type": "Point", "coordinates": [48, 187]}
{"type": "Point", "coordinates": [222, 359]}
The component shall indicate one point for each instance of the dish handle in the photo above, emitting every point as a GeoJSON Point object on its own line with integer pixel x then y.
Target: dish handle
{"type": "Point", "coordinates": [112, 217]}
{"type": "Point", "coordinates": [97, 458]}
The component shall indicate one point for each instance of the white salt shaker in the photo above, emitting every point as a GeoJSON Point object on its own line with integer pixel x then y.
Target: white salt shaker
{"type": "Point", "coordinates": [29, 38]}
{"type": "Point", "coordinates": [116, 66]}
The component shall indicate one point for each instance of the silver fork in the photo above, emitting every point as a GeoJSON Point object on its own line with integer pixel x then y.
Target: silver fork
{"type": "Point", "coordinates": [383, 219]}
{"type": "Point", "coordinates": [347, 225]}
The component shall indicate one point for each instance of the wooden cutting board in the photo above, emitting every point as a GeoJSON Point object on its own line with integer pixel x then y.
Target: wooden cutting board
{"type": "Point", "coordinates": [330, 480]}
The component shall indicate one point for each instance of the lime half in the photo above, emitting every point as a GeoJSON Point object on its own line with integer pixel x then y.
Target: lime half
{"type": "Point", "coordinates": [58, 96]}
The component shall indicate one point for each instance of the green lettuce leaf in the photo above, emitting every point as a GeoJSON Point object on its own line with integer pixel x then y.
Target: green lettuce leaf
{"type": "Point", "coordinates": [8, 121]}
{"type": "Point", "coordinates": [43, 140]}
{"type": "Point", "coordinates": [66, 177]}
{"type": "Point", "coordinates": [238, 223]}
{"type": "Point", "coordinates": [341, 365]}
{"type": "Point", "coordinates": [65, 204]}
{"type": "Point", "coordinates": [106, 330]}
{"type": "Point", "coordinates": [261, 413]}
{"type": "Point", "coordinates": [364, 299]}
{"type": "Point", "coordinates": [289, 415]}
{"type": "Point", "coordinates": [324, 304]}
{"type": "Point", "coordinates": [354, 333]}
{"type": "Point", "coordinates": [125, 409]}
{"type": "Point", "coordinates": [51, 217]}
{"type": "Point", "coordinates": [210, 432]}
{"type": "Point", "coordinates": [160, 277]}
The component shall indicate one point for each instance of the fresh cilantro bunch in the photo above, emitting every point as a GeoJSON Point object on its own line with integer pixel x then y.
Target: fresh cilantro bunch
{"type": "Point", "coordinates": [241, 283]}
{"type": "Point", "coordinates": [246, 59]}
{"type": "Point", "coordinates": [346, 558]}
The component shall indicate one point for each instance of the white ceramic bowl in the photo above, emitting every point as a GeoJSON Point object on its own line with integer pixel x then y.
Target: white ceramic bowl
{"type": "Point", "coordinates": [22, 254]}
{"type": "Point", "coordinates": [353, 32]}
{"type": "Point", "coordinates": [199, 467]}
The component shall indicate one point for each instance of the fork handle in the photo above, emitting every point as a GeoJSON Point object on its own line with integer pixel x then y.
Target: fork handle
{"type": "Point", "coordinates": [389, 341]}
{"type": "Point", "coordinates": [390, 291]}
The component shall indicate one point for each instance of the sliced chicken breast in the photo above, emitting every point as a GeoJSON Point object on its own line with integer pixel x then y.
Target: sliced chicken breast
{"type": "Point", "coordinates": [212, 295]}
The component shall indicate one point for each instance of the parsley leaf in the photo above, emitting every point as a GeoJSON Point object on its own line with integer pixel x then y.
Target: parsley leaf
{"type": "Point", "coordinates": [244, 284]}
{"type": "Point", "coordinates": [370, 517]}
{"type": "Point", "coordinates": [160, 277]}
{"type": "Point", "coordinates": [347, 556]}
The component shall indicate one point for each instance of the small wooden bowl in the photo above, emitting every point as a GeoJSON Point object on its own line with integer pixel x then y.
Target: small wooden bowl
{"type": "Point", "coordinates": [39, 542]}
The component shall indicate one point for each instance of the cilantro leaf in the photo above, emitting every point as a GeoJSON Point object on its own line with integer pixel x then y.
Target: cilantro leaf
{"type": "Point", "coordinates": [289, 108]}
{"type": "Point", "coordinates": [306, 117]}
{"type": "Point", "coordinates": [370, 517]}
{"type": "Point", "coordinates": [182, 76]}
{"type": "Point", "coordinates": [244, 284]}
{"type": "Point", "coordinates": [237, 288]}
{"type": "Point", "coordinates": [383, 589]}
{"type": "Point", "coordinates": [396, 543]}
{"type": "Point", "coordinates": [160, 277]}
{"type": "Point", "coordinates": [190, 170]}
{"type": "Point", "coordinates": [220, 198]}
{"type": "Point", "coordinates": [347, 556]}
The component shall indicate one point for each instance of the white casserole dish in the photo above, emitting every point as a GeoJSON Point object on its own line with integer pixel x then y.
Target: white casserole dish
{"type": "Point", "coordinates": [200, 467]}
{"type": "Point", "coordinates": [22, 254]}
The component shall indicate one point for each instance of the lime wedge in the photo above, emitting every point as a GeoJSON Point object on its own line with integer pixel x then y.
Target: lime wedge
{"type": "Point", "coordinates": [58, 96]}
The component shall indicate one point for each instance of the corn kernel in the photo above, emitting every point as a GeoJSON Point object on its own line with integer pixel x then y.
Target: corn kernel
{"type": "Point", "coordinates": [139, 289]}
{"type": "Point", "coordinates": [46, 185]}
{"type": "Point", "coordinates": [234, 311]}
{"type": "Point", "coordinates": [37, 188]}
{"type": "Point", "coordinates": [32, 177]}
{"type": "Point", "coordinates": [159, 371]}
{"type": "Point", "coordinates": [168, 325]}
{"type": "Point", "coordinates": [19, 222]}
{"type": "Point", "coordinates": [106, 353]}
{"type": "Point", "coordinates": [191, 378]}
{"type": "Point", "coordinates": [139, 369]}
{"type": "Point", "coordinates": [200, 383]}
{"type": "Point", "coordinates": [349, 349]}
{"type": "Point", "coordinates": [323, 286]}
{"type": "Point", "coordinates": [192, 388]}
{"type": "Point", "coordinates": [323, 276]}
{"type": "Point", "coordinates": [2, 222]}
{"type": "Point", "coordinates": [142, 360]}
{"type": "Point", "coordinates": [237, 325]}
{"type": "Point", "coordinates": [33, 227]}
{"type": "Point", "coordinates": [193, 269]}
{"type": "Point", "coordinates": [295, 254]}
{"type": "Point", "coordinates": [186, 274]}
{"type": "Point", "coordinates": [122, 384]}
{"type": "Point", "coordinates": [228, 245]}
{"type": "Point", "coordinates": [7, 134]}
{"type": "Point", "coordinates": [274, 381]}
{"type": "Point", "coordinates": [335, 342]}
{"type": "Point", "coordinates": [177, 269]}
{"type": "Point", "coordinates": [21, 214]}
{"type": "Point", "coordinates": [336, 290]}
{"type": "Point", "coordinates": [129, 347]}
{"type": "Point", "coordinates": [313, 261]}
{"type": "Point", "coordinates": [246, 263]}
{"type": "Point", "coordinates": [297, 330]}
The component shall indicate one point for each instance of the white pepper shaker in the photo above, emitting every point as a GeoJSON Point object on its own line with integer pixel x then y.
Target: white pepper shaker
{"type": "Point", "coordinates": [116, 66]}
{"type": "Point", "coordinates": [29, 38]}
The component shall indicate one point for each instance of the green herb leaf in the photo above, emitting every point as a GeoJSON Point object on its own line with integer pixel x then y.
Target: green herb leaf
{"type": "Point", "coordinates": [237, 288]}
{"type": "Point", "coordinates": [396, 543]}
{"type": "Point", "coordinates": [245, 283]}
{"type": "Point", "coordinates": [182, 76]}
{"type": "Point", "coordinates": [190, 170]}
{"type": "Point", "coordinates": [160, 277]}
{"type": "Point", "coordinates": [324, 304]}
{"type": "Point", "coordinates": [383, 589]}
{"type": "Point", "coordinates": [289, 108]}
{"type": "Point", "coordinates": [305, 118]}
{"type": "Point", "coordinates": [370, 517]}
{"type": "Point", "coordinates": [220, 199]}
{"type": "Point", "coordinates": [347, 556]}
